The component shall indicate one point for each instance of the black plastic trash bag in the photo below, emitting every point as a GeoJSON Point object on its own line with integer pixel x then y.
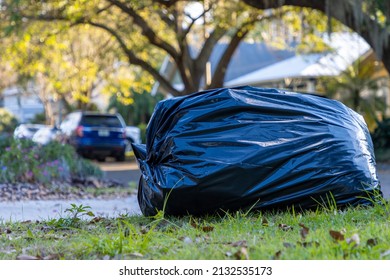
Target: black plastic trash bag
{"type": "Point", "coordinates": [246, 147]}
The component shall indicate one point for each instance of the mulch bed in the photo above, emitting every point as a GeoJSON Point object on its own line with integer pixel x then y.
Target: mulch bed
{"type": "Point", "coordinates": [76, 188]}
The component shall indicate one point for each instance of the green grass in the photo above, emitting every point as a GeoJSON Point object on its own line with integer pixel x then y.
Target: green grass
{"type": "Point", "coordinates": [283, 235]}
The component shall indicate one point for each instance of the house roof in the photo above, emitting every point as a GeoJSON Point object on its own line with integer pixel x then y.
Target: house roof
{"type": "Point", "coordinates": [259, 63]}
{"type": "Point", "coordinates": [346, 48]}
{"type": "Point", "coordinates": [249, 57]}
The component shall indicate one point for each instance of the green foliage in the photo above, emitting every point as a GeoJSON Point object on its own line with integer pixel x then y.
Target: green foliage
{"type": "Point", "coordinates": [25, 161]}
{"type": "Point", "coordinates": [5, 141]}
{"type": "Point", "coordinates": [381, 139]}
{"type": "Point", "coordinates": [8, 122]}
{"type": "Point", "coordinates": [300, 29]}
{"type": "Point", "coordinates": [142, 127]}
{"type": "Point", "coordinates": [48, 45]}
{"type": "Point", "coordinates": [72, 56]}
{"type": "Point", "coordinates": [381, 135]}
{"type": "Point", "coordinates": [39, 118]}
{"type": "Point", "coordinates": [138, 111]}
{"type": "Point", "coordinates": [359, 78]}
{"type": "Point", "coordinates": [74, 219]}
{"type": "Point", "coordinates": [67, 64]}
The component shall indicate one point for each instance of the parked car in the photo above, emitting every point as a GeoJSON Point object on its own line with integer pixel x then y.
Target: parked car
{"type": "Point", "coordinates": [95, 135]}
{"type": "Point", "coordinates": [133, 135]}
{"type": "Point", "coordinates": [27, 131]}
{"type": "Point", "coordinates": [45, 135]}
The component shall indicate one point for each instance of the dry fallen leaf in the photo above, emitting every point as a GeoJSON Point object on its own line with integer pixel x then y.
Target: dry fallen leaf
{"type": "Point", "coordinates": [242, 254]}
{"type": "Point", "coordinates": [199, 240]}
{"type": "Point", "coordinates": [241, 243]}
{"type": "Point", "coordinates": [277, 255]}
{"type": "Point", "coordinates": [336, 235]}
{"type": "Point", "coordinates": [285, 227]}
{"type": "Point", "coordinates": [228, 254]}
{"type": "Point", "coordinates": [96, 220]}
{"type": "Point", "coordinates": [52, 257]}
{"type": "Point", "coordinates": [27, 257]}
{"type": "Point", "coordinates": [207, 228]}
{"type": "Point", "coordinates": [187, 240]}
{"type": "Point", "coordinates": [203, 228]}
{"type": "Point", "coordinates": [288, 245]}
{"type": "Point", "coordinates": [308, 244]}
{"type": "Point", "coordinates": [136, 255]}
{"type": "Point", "coordinates": [372, 242]}
{"type": "Point", "coordinates": [304, 231]}
{"type": "Point", "coordinates": [144, 230]}
{"type": "Point", "coordinates": [354, 239]}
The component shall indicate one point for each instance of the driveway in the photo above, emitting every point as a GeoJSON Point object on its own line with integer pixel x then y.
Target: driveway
{"type": "Point", "coordinates": [384, 177]}
{"type": "Point", "coordinates": [123, 172]}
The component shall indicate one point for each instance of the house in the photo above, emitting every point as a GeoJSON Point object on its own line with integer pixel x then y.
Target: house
{"type": "Point", "coordinates": [24, 105]}
{"type": "Point", "coordinates": [260, 64]}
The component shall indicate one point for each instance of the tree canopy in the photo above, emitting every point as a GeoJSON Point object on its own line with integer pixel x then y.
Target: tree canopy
{"type": "Point", "coordinates": [146, 31]}
{"type": "Point", "coordinates": [369, 18]}
{"type": "Point", "coordinates": [143, 32]}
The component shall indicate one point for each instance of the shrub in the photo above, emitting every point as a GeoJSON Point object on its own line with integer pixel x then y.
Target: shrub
{"type": "Point", "coordinates": [5, 141]}
{"type": "Point", "coordinates": [381, 140]}
{"type": "Point", "coordinates": [143, 127]}
{"type": "Point", "coordinates": [8, 122]}
{"type": "Point", "coordinates": [381, 135]}
{"type": "Point", "coordinates": [24, 161]}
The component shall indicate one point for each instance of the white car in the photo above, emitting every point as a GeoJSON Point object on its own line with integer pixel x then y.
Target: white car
{"type": "Point", "coordinates": [45, 135]}
{"type": "Point", "coordinates": [133, 135]}
{"type": "Point", "coordinates": [27, 131]}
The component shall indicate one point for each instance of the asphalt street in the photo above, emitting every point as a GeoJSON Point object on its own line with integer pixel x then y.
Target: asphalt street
{"type": "Point", "coordinates": [123, 172]}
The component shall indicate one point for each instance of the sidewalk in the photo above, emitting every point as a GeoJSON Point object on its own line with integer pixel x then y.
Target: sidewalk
{"type": "Point", "coordinates": [49, 209]}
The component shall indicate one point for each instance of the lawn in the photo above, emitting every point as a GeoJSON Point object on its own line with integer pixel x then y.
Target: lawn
{"type": "Point", "coordinates": [327, 233]}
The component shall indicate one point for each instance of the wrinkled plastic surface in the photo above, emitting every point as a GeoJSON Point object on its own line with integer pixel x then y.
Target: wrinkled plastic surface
{"type": "Point", "coordinates": [242, 148]}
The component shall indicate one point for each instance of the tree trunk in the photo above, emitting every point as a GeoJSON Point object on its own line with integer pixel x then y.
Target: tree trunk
{"type": "Point", "coordinates": [356, 100]}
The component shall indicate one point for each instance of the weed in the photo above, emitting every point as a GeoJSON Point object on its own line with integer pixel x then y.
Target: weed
{"type": "Point", "coordinates": [79, 211]}
{"type": "Point", "coordinates": [72, 221]}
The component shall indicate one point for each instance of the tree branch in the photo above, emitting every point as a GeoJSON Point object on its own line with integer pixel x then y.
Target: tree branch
{"type": "Point", "coordinates": [210, 42]}
{"type": "Point", "coordinates": [366, 26]}
{"type": "Point", "coordinates": [193, 20]}
{"type": "Point", "coordinates": [147, 31]}
{"type": "Point", "coordinates": [220, 71]}
{"type": "Point", "coordinates": [164, 17]}
{"type": "Point", "coordinates": [167, 3]}
{"type": "Point", "coordinates": [133, 59]}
